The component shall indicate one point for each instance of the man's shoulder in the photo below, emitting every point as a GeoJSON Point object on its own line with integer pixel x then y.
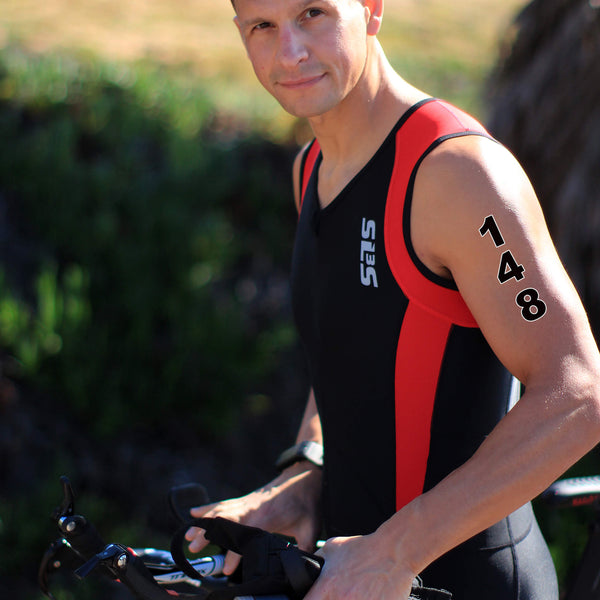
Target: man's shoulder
{"type": "Point", "coordinates": [469, 164]}
{"type": "Point", "coordinates": [438, 138]}
{"type": "Point", "coordinates": [461, 182]}
{"type": "Point", "coordinates": [438, 119]}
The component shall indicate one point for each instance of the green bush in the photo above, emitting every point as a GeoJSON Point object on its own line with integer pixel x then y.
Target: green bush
{"type": "Point", "coordinates": [144, 247]}
{"type": "Point", "coordinates": [159, 236]}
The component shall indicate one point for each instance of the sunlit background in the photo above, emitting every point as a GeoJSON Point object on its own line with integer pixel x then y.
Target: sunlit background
{"type": "Point", "coordinates": [146, 225]}
{"type": "Point", "coordinates": [448, 46]}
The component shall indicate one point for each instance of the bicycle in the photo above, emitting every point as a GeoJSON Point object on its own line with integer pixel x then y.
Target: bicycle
{"type": "Point", "coordinates": [576, 492]}
{"type": "Point", "coordinates": [272, 567]}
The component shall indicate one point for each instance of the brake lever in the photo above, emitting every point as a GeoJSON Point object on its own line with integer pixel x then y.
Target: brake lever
{"type": "Point", "coordinates": [124, 565]}
{"type": "Point", "coordinates": [113, 558]}
{"type": "Point", "coordinates": [50, 562]}
{"type": "Point", "coordinates": [67, 507]}
{"type": "Point", "coordinates": [76, 529]}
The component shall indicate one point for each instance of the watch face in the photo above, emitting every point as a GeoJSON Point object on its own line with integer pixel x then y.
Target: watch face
{"type": "Point", "coordinates": [308, 450]}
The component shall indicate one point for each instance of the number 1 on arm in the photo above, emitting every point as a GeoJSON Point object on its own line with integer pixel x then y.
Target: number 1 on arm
{"type": "Point", "coordinates": [490, 226]}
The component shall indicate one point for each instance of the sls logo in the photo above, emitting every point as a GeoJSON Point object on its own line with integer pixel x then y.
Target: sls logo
{"type": "Point", "coordinates": [368, 275]}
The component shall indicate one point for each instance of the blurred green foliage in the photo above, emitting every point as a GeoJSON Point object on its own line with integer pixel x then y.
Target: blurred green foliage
{"type": "Point", "coordinates": [151, 217]}
{"type": "Point", "coordinates": [145, 238]}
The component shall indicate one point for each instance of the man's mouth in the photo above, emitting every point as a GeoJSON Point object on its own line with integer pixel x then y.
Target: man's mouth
{"type": "Point", "coordinates": [300, 82]}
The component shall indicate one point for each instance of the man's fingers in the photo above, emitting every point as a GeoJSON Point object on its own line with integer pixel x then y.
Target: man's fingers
{"type": "Point", "coordinates": [232, 560]}
{"type": "Point", "coordinates": [195, 536]}
{"type": "Point", "coordinates": [200, 511]}
{"type": "Point", "coordinates": [191, 533]}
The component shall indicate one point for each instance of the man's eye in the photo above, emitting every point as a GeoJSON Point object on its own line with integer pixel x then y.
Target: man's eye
{"type": "Point", "coordinates": [311, 13]}
{"type": "Point", "coordinates": [261, 26]}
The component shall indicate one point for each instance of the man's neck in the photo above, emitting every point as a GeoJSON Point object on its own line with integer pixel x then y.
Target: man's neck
{"type": "Point", "coordinates": [350, 134]}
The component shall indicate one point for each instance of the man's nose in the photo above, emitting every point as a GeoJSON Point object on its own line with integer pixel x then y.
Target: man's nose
{"type": "Point", "coordinates": [292, 46]}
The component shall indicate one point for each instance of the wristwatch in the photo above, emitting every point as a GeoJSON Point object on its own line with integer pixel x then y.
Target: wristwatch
{"type": "Point", "coordinates": [309, 450]}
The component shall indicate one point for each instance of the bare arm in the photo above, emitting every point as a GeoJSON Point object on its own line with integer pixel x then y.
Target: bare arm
{"type": "Point", "coordinates": [310, 428]}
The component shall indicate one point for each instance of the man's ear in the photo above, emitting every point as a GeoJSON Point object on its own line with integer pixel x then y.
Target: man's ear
{"type": "Point", "coordinates": [375, 15]}
{"type": "Point", "coordinates": [236, 20]}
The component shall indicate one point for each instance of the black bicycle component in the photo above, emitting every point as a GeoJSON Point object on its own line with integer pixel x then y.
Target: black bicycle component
{"type": "Point", "coordinates": [76, 529]}
{"type": "Point", "coordinates": [80, 541]}
{"type": "Point", "coordinates": [67, 507]}
{"type": "Point", "coordinates": [113, 558]}
{"type": "Point", "coordinates": [60, 555]}
{"type": "Point", "coordinates": [82, 550]}
{"type": "Point", "coordinates": [81, 535]}
{"type": "Point", "coordinates": [124, 565]}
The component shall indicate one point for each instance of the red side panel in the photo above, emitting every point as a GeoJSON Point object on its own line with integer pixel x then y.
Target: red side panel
{"type": "Point", "coordinates": [433, 309]}
{"type": "Point", "coordinates": [418, 361]}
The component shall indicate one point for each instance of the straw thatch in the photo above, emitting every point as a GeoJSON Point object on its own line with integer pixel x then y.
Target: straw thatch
{"type": "Point", "coordinates": [545, 106]}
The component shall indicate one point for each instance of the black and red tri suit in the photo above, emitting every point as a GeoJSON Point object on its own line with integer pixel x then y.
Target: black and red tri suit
{"type": "Point", "coordinates": [406, 386]}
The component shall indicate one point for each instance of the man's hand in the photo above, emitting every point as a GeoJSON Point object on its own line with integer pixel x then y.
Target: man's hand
{"type": "Point", "coordinates": [358, 568]}
{"type": "Point", "coordinates": [289, 505]}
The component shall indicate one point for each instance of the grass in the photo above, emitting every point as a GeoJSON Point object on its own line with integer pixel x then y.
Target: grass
{"type": "Point", "coordinates": [444, 47]}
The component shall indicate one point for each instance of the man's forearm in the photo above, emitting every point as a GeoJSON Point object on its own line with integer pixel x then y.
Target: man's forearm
{"type": "Point", "coordinates": [310, 428]}
{"type": "Point", "coordinates": [308, 450]}
{"type": "Point", "coordinates": [532, 446]}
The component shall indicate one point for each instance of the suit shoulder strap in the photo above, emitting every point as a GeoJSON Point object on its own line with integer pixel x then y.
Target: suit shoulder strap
{"type": "Point", "coordinates": [429, 123]}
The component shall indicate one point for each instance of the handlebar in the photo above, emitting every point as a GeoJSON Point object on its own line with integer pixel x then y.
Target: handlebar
{"type": "Point", "coordinates": [150, 574]}
{"type": "Point", "coordinates": [272, 568]}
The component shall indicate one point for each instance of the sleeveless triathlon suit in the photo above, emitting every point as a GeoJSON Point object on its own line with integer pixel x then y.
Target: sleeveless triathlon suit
{"type": "Point", "coordinates": [406, 386]}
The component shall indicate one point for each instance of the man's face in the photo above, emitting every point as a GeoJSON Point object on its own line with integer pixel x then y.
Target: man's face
{"type": "Point", "coordinates": [309, 54]}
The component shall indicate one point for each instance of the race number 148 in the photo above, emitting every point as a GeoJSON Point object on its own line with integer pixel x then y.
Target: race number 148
{"type": "Point", "coordinates": [529, 301]}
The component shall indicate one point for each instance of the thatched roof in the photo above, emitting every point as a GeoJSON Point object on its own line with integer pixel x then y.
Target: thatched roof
{"type": "Point", "coordinates": [545, 106]}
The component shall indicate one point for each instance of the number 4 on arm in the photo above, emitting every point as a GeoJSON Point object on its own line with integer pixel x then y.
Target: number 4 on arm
{"type": "Point", "coordinates": [509, 268]}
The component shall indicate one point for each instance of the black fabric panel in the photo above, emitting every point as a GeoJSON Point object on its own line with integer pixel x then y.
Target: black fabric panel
{"type": "Point", "coordinates": [472, 397]}
{"type": "Point", "coordinates": [508, 562]}
{"type": "Point", "coordinates": [350, 332]}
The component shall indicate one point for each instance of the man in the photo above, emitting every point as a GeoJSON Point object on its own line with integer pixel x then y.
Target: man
{"type": "Point", "coordinates": [423, 276]}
